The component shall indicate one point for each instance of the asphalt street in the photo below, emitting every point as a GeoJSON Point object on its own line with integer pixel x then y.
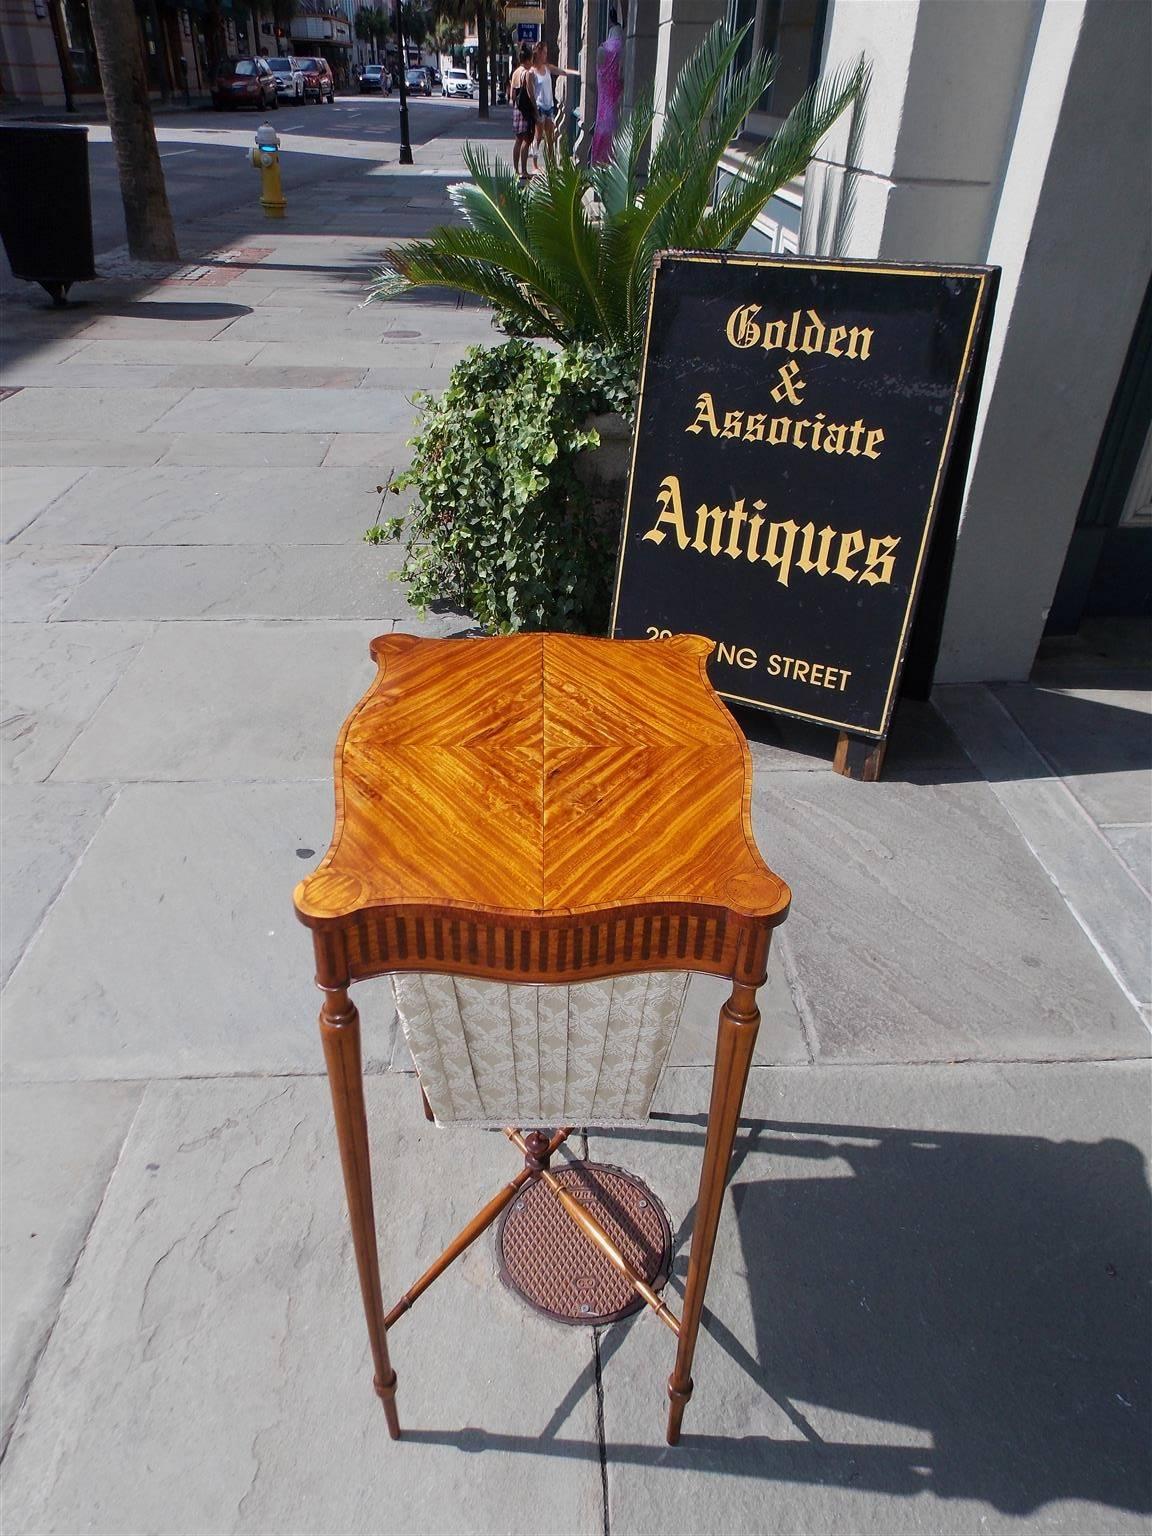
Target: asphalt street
{"type": "Point", "coordinates": [205, 161]}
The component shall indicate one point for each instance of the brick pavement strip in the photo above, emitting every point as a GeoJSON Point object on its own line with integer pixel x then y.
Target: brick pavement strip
{"type": "Point", "coordinates": [927, 1305]}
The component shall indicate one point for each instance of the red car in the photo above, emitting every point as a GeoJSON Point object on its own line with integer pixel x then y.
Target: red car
{"type": "Point", "coordinates": [244, 83]}
{"type": "Point", "coordinates": [318, 81]}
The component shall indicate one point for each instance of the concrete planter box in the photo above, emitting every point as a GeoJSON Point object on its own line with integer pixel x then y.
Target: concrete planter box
{"type": "Point", "coordinates": [606, 468]}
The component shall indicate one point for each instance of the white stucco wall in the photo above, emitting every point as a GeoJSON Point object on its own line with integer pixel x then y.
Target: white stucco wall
{"type": "Point", "coordinates": [1015, 132]}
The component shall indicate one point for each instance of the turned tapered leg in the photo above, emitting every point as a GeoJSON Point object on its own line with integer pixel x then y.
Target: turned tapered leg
{"type": "Point", "coordinates": [736, 1038]}
{"type": "Point", "coordinates": [340, 1031]}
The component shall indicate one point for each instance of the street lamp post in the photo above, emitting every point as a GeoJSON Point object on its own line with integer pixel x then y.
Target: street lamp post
{"type": "Point", "coordinates": [405, 141]}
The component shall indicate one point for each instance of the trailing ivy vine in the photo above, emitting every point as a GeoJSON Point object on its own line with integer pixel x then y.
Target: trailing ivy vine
{"type": "Point", "coordinates": [503, 527]}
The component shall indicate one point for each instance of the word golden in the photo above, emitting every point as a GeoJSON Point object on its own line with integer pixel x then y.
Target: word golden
{"type": "Point", "coordinates": [786, 546]}
{"type": "Point", "coordinates": [800, 333]}
{"type": "Point", "coordinates": [815, 432]}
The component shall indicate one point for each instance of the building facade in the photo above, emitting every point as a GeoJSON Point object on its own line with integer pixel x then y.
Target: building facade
{"type": "Point", "coordinates": [47, 57]}
{"type": "Point", "coordinates": [1016, 133]}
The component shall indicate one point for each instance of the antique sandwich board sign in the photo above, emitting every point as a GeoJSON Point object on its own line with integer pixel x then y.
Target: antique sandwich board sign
{"type": "Point", "coordinates": [792, 446]}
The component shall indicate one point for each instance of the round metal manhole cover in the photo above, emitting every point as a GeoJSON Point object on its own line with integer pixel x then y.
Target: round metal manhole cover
{"type": "Point", "coordinates": [548, 1261]}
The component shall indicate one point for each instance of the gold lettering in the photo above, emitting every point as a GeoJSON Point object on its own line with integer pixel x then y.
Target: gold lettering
{"type": "Point", "coordinates": [671, 512]}
{"type": "Point", "coordinates": [774, 665]}
{"type": "Point", "coordinates": [742, 330]}
{"type": "Point", "coordinates": [781, 539]}
{"type": "Point", "coordinates": [813, 337]}
{"type": "Point", "coordinates": [861, 337]}
{"type": "Point", "coordinates": [879, 561]}
{"type": "Point", "coordinates": [778, 430]}
{"type": "Point", "coordinates": [817, 428]}
{"type": "Point", "coordinates": [791, 386]}
{"type": "Point", "coordinates": [737, 518]}
{"type": "Point", "coordinates": [798, 432]}
{"type": "Point", "coordinates": [850, 544]}
{"type": "Point", "coordinates": [875, 436]}
{"type": "Point", "coordinates": [821, 563]}
{"type": "Point", "coordinates": [817, 677]}
{"type": "Point", "coordinates": [705, 416]}
{"type": "Point", "coordinates": [754, 428]}
{"type": "Point", "coordinates": [755, 524]}
{"type": "Point", "coordinates": [706, 515]}
{"type": "Point", "coordinates": [800, 672]}
{"type": "Point", "coordinates": [733, 421]}
{"type": "Point", "coordinates": [834, 438]}
{"type": "Point", "coordinates": [773, 336]}
{"type": "Point", "coordinates": [857, 433]}
{"type": "Point", "coordinates": [835, 336]}
{"type": "Point", "coordinates": [844, 676]}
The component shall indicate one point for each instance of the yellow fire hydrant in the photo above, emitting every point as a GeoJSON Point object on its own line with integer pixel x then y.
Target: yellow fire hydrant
{"type": "Point", "coordinates": [266, 158]}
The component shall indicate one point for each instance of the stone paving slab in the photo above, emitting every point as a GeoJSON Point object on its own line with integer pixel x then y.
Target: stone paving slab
{"type": "Point", "coordinates": [44, 829]}
{"type": "Point", "coordinates": [375, 450]}
{"type": "Point", "coordinates": [225, 376]}
{"type": "Point", "coordinates": [1099, 740]}
{"type": "Point", "coordinates": [277, 450]}
{"type": "Point", "coordinates": [81, 451]}
{"type": "Point", "coordinates": [36, 582]}
{"type": "Point", "coordinates": [1134, 845]}
{"type": "Point", "coordinates": [1113, 910]}
{"type": "Point", "coordinates": [83, 412]}
{"type": "Point", "coordinates": [922, 929]}
{"type": "Point", "coordinates": [211, 1357]}
{"type": "Point", "coordinates": [201, 504]}
{"type": "Point", "coordinates": [169, 350]}
{"type": "Point", "coordinates": [247, 701]}
{"type": "Point", "coordinates": [28, 491]}
{"type": "Point", "coordinates": [371, 352]}
{"type": "Point", "coordinates": [781, 1036]}
{"type": "Point", "coordinates": [81, 375]}
{"type": "Point", "coordinates": [283, 410]}
{"type": "Point", "coordinates": [244, 581]}
{"type": "Point", "coordinates": [927, 1313]}
{"type": "Point", "coordinates": [197, 879]}
{"type": "Point", "coordinates": [53, 1186]}
{"type": "Point", "coordinates": [54, 678]}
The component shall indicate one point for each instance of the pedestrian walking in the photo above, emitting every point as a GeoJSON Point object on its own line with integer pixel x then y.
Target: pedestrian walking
{"type": "Point", "coordinates": [521, 89]}
{"type": "Point", "coordinates": [544, 76]}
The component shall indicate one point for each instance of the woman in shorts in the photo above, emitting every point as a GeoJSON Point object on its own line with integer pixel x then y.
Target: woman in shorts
{"type": "Point", "coordinates": [521, 92]}
{"type": "Point", "coordinates": [543, 77]}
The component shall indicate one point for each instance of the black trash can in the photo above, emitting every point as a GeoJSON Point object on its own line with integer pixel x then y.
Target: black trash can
{"type": "Point", "coordinates": [45, 204]}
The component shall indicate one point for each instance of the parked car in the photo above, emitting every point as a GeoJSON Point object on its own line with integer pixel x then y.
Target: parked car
{"type": "Point", "coordinates": [244, 83]}
{"type": "Point", "coordinates": [288, 75]}
{"type": "Point", "coordinates": [318, 81]}
{"type": "Point", "coordinates": [457, 82]}
{"type": "Point", "coordinates": [417, 80]}
{"type": "Point", "coordinates": [375, 78]}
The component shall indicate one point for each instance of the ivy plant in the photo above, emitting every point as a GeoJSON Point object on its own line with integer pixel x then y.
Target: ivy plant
{"type": "Point", "coordinates": [503, 527]}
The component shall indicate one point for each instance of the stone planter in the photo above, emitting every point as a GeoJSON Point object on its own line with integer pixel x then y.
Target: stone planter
{"type": "Point", "coordinates": [605, 469]}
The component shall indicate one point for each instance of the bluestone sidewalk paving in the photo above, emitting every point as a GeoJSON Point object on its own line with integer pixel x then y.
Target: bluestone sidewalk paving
{"type": "Point", "coordinates": [927, 1310]}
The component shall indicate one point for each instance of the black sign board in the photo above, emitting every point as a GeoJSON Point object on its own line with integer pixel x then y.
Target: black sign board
{"type": "Point", "coordinates": [793, 436]}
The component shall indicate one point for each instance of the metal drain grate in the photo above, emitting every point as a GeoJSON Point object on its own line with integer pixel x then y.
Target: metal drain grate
{"type": "Point", "coordinates": [546, 1258]}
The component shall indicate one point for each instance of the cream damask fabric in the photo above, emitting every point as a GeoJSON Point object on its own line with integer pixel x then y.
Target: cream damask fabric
{"type": "Point", "coordinates": [490, 1053]}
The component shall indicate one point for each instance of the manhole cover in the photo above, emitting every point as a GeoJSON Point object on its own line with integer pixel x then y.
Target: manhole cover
{"type": "Point", "coordinates": [546, 1258]}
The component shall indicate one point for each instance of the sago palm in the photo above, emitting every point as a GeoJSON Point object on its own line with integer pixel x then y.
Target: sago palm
{"type": "Point", "coordinates": [573, 267]}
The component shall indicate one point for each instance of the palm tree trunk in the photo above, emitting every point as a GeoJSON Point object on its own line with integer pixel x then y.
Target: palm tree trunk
{"type": "Point", "coordinates": [482, 57]}
{"type": "Point", "coordinates": [146, 212]}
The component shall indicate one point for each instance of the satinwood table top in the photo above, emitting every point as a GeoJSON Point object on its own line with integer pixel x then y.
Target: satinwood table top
{"type": "Point", "coordinates": [493, 792]}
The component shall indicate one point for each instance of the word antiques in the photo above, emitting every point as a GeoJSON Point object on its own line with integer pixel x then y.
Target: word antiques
{"type": "Point", "coordinates": [733, 532]}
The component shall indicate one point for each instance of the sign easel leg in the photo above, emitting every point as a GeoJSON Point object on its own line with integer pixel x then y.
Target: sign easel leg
{"type": "Point", "coordinates": [859, 757]}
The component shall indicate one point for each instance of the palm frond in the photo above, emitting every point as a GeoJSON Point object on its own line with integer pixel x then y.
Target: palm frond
{"type": "Point", "coordinates": [780, 159]}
